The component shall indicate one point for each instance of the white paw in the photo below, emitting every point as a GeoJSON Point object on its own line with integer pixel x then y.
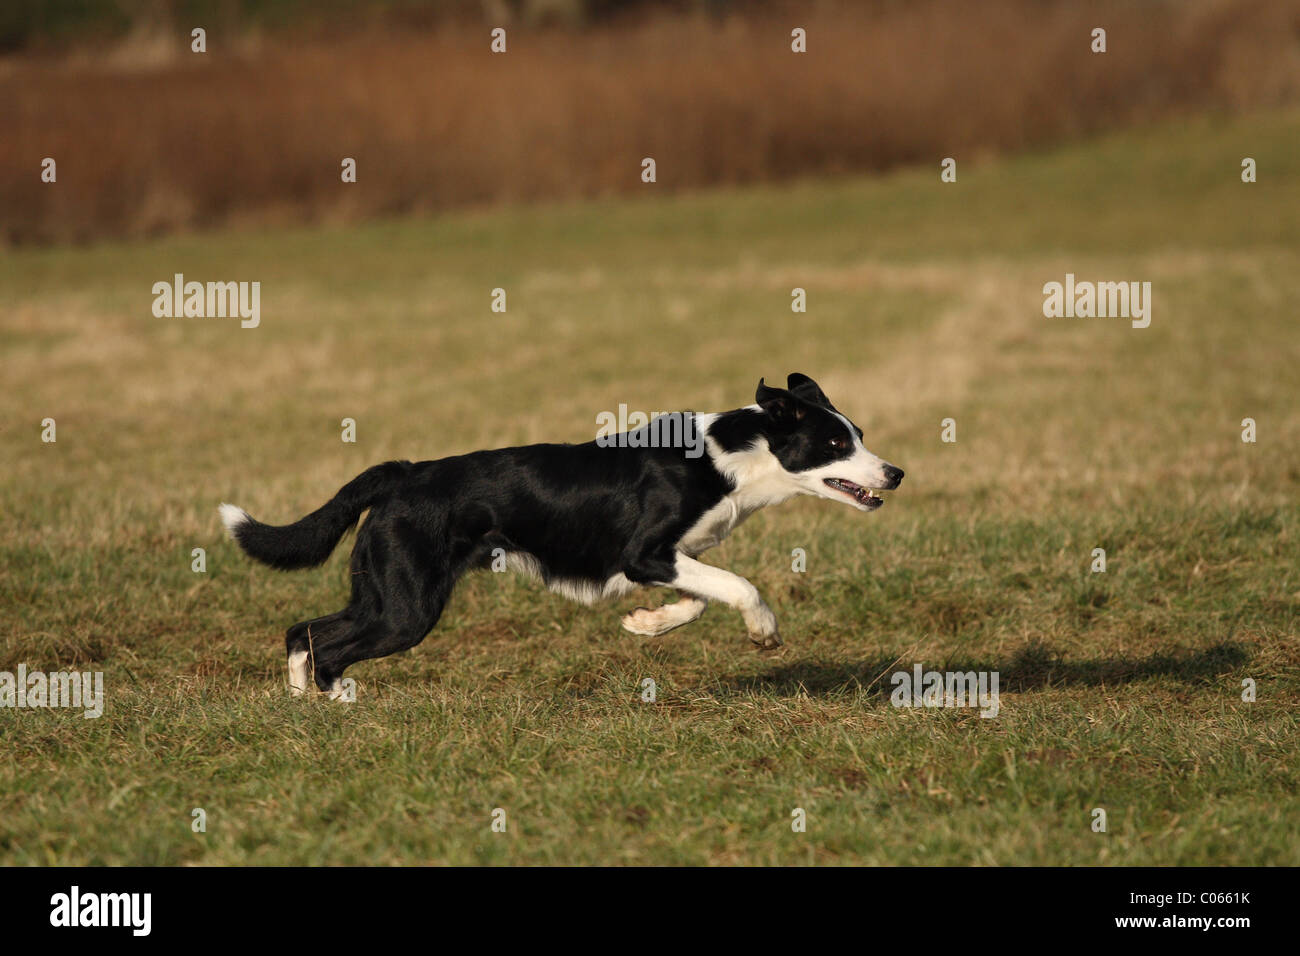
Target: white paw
{"type": "Point", "coordinates": [761, 624]}
{"type": "Point", "coordinates": [647, 623]}
{"type": "Point", "coordinates": [299, 674]}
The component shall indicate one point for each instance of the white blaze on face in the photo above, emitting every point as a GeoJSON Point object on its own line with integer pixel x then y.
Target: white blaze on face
{"type": "Point", "coordinates": [860, 467]}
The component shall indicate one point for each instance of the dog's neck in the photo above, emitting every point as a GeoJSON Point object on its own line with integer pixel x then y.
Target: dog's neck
{"type": "Point", "coordinates": [757, 477]}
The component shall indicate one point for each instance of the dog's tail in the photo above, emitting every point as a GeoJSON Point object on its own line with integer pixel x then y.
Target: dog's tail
{"type": "Point", "coordinates": [308, 541]}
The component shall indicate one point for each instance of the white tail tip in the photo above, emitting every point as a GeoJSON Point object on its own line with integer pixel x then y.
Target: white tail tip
{"type": "Point", "coordinates": [232, 517]}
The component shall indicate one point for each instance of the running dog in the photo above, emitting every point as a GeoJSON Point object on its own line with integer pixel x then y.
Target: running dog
{"type": "Point", "coordinates": [590, 521]}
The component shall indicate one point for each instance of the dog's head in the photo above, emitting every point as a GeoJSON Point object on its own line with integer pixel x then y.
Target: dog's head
{"type": "Point", "coordinates": [819, 448]}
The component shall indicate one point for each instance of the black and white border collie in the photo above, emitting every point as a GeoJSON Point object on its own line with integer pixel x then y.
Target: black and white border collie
{"type": "Point", "coordinates": [591, 521]}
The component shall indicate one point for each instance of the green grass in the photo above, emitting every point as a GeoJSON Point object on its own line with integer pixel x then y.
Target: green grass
{"type": "Point", "coordinates": [1120, 690]}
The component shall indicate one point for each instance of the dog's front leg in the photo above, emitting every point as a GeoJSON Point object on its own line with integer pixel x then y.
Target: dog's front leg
{"type": "Point", "coordinates": [715, 584]}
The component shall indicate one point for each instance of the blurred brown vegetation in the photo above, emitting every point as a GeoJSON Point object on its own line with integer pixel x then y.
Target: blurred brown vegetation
{"type": "Point", "coordinates": [150, 138]}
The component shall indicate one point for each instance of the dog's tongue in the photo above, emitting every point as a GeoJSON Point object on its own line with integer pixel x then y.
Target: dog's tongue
{"type": "Point", "coordinates": [859, 493]}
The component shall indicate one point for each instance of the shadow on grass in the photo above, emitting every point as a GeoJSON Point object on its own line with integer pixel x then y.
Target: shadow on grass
{"type": "Point", "coordinates": [1034, 667]}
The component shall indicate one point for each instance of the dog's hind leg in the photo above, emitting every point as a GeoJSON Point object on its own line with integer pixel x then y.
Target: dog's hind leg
{"type": "Point", "coordinates": [402, 578]}
{"type": "Point", "coordinates": [377, 638]}
{"type": "Point", "coordinates": [300, 641]}
{"type": "Point", "coordinates": [653, 622]}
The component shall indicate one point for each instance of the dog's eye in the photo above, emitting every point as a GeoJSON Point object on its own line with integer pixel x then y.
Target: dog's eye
{"type": "Point", "coordinates": [839, 443]}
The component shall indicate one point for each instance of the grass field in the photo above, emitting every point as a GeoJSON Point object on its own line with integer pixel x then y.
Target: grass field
{"type": "Point", "coordinates": [1120, 691]}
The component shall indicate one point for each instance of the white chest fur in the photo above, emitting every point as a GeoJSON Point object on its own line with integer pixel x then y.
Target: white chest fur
{"type": "Point", "coordinates": [759, 481]}
{"type": "Point", "coordinates": [714, 525]}
{"type": "Point", "coordinates": [724, 517]}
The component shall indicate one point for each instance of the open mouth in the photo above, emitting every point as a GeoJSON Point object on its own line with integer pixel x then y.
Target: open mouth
{"type": "Point", "coordinates": [863, 496]}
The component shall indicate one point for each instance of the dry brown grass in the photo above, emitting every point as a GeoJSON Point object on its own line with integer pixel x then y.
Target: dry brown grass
{"type": "Point", "coordinates": [152, 143]}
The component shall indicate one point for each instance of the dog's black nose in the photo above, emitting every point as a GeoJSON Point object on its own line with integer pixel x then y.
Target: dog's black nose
{"type": "Point", "coordinates": [894, 475]}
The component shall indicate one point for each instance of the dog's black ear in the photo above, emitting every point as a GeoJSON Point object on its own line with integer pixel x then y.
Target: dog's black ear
{"type": "Point", "coordinates": [767, 393]}
{"type": "Point", "coordinates": [801, 386]}
{"type": "Point", "coordinates": [781, 407]}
